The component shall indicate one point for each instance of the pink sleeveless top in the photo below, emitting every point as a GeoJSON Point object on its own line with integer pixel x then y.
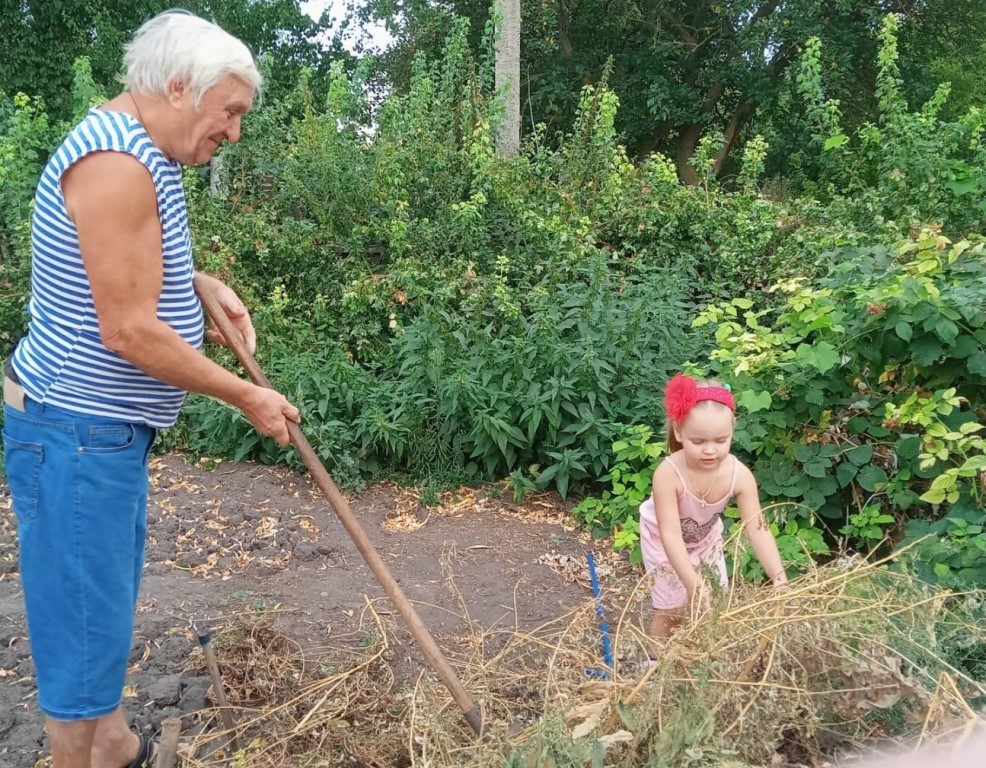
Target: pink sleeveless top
{"type": "Point", "coordinates": [699, 521]}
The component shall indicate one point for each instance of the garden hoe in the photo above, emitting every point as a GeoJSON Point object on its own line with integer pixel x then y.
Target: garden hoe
{"type": "Point", "coordinates": [341, 507]}
{"type": "Point", "coordinates": [217, 686]}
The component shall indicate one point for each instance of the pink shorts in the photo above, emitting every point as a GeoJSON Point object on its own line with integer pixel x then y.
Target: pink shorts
{"type": "Point", "coordinates": [667, 591]}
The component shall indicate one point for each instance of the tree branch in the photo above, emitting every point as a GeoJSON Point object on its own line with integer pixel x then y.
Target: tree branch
{"type": "Point", "coordinates": [739, 118]}
{"type": "Point", "coordinates": [763, 12]}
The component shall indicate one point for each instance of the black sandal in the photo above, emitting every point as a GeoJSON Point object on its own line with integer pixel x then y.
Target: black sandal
{"type": "Point", "coordinates": [145, 756]}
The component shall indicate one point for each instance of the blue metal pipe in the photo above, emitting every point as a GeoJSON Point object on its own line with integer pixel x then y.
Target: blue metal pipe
{"type": "Point", "coordinates": [603, 629]}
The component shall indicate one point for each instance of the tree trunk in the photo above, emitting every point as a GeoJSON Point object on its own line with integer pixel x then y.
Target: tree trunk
{"type": "Point", "coordinates": [688, 136]}
{"type": "Point", "coordinates": [508, 76]}
{"type": "Point", "coordinates": [564, 30]}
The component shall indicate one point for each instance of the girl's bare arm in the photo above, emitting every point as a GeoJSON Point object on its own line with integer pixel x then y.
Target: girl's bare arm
{"type": "Point", "coordinates": [755, 526]}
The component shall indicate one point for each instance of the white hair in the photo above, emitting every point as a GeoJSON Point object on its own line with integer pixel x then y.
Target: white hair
{"type": "Point", "coordinates": [177, 45]}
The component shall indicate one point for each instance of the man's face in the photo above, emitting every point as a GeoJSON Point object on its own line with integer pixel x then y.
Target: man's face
{"type": "Point", "coordinates": [217, 118]}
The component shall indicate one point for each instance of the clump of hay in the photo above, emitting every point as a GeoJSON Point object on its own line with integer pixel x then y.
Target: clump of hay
{"type": "Point", "coordinates": [843, 656]}
{"type": "Point", "coordinates": [295, 706]}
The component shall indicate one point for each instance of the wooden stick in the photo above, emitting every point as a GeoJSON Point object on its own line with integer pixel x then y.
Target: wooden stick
{"type": "Point", "coordinates": [217, 685]}
{"type": "Point", "coordinates": [340, 506]}
{"type": "Point", "coordinates": [167, 749]}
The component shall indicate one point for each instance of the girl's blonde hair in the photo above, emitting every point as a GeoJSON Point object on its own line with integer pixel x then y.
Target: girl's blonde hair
{"type": "Point", "coordinates": [674, 444]}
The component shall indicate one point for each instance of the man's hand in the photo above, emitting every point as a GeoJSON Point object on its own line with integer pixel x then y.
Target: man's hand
{"type": "Point", "coordinates": [235, 310]}
{"type": "Point", "coordinates": [269, 411]}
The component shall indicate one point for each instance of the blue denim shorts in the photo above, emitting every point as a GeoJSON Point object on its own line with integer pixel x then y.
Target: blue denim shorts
{"type": "Point", "coordinates": [79, 491]}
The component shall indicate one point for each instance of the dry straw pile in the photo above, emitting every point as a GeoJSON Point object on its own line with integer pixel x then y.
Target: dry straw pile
{"type": "Point", "coordinates": [846, 655]}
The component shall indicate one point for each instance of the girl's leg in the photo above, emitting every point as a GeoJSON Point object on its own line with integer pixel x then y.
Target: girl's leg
{"type": "Point", "coordinates": [665, 622]}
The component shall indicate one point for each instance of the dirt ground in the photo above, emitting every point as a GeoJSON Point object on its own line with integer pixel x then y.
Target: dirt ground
{"type": "Point", "coordinates": [227, 539]}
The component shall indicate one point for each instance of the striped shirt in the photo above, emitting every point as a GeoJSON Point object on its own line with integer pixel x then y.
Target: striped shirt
{"type": "Point", "coordinates": [62, 361]}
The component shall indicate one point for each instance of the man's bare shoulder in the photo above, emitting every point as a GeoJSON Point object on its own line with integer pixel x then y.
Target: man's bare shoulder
{"type": "Point", "coordinates": [106, 180]}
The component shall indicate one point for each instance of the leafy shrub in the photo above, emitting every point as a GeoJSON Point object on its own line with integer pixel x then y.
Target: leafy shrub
{"type": "Point", "coordinates": [24, 138]}
{"type": "Point", "coordinates": [480, 394]}
{"type": "Point", "coordinates": [865, 392]}
{"type": "Point", "coordinates": [616, 511]}
{"type": "Point", "coordinates": [910, 166]}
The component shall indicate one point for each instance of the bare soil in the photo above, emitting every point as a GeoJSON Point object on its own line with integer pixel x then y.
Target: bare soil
{"type": "Point", "coordinates": [228, 539]}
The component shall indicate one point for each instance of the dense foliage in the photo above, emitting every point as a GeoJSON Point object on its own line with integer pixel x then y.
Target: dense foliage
{"type": "Point", "coordinates": [443, 314]}
{"type": "Point", "coordinates": [42, 39]}
{"type": "Point", "coordinates": [686, 70]}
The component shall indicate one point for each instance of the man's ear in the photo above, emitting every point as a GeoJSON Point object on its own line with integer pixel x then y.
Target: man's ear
{"type": "Point", "coordinates": [177, 92]}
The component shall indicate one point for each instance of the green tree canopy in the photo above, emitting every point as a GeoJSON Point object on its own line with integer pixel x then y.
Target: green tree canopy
{"type": "Point", "coordinates": [44, 37]}
{"type": "Point", "coordinates": [685, 68]}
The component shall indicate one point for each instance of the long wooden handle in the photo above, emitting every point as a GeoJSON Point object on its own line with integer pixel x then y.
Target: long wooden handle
{"type": "Point", "coordinates": [217, 686]}
{"type": "Point", "coordinates": [341, 507]}
{"type": "Point", "coordinates": [167, 750]}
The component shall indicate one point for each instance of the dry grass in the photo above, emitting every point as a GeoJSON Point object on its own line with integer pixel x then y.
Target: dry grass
{"type": "Point", "coordinates": [843, 656]}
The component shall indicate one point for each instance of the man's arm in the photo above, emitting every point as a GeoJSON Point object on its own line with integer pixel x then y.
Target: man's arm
{"type": "Point", "coordinates": [110, 197]}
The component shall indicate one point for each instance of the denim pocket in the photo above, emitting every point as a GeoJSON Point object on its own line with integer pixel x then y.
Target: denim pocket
{"type": "Point", "coordinates": [23, 465]}
{"type": "Point", "coordinates": [106, 438]}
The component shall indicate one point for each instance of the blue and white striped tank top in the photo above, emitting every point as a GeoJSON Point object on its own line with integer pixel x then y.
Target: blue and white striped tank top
{"type": "Point", "coordinates": [62, 360]}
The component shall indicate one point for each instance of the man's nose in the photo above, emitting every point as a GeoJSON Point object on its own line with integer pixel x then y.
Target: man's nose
{"type": "Point", "coordinates": [233, 132]}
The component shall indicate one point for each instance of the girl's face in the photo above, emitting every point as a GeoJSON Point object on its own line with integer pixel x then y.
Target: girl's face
{"type": "Point", "coordinates": [706, 435]}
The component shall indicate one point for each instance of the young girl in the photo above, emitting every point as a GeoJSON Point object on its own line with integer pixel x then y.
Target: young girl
{"type": "Point", "coordinates": [681, 523]}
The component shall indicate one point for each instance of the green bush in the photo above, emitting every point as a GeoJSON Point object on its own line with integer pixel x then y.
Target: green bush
{"type": "Point", "coordinates": [490, 390]}
{"type": "Point", "coordinates": [865, 391]}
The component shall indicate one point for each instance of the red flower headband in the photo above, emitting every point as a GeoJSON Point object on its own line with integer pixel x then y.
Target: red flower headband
{"type": "Point", "coordinates": [683, 392]}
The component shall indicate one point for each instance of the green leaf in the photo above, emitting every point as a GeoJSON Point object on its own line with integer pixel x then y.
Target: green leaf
{"type": "Point", "coordinates": [946, 329]}
{"type": "Point", "coordinates": [926, 350]}
{"type": "Point", "coordinates": [806, 451]}
{"type": "Point", "coordinates": [857, 425]}
{"type": "Point", "coordinates": [965, 346]}
{"type": "Point", "coordinates": [845, 473]}
{"type": "Point", "coordinates": [975, 463]}
{"type": "Point", "coordinates": [871, 478]}
{"type": "Point", "coordinates": [826, 356]}
{"type": "Point", "coordinates": [977, 364]}
{"type": "Point", "coordinates": [826, 485]}
{"type": "Point", "coordinates": [821, 356]}
{"type": "Point", "coordinates": [752, 402]}
{"type": "Point", "coordinates": [815, 397]}
{"type": "Point", "coordinates": [903, 330]}
{"type": "Point", "coordinates": [962, 186]}
{"type": "Point", "coordinates": [833, 142]}
{"type": "Point", "coordinates": [598, 755]}
{"type": "Point", "coordinates": [548, 474]}
{"type": "Point", "coordinates": [909, 446]}
{"type": "Point", "coordinates": [904, 499]}
{"type": "Point", "coordinates": [816, 468]}
{"type": "Point", "coordinates": [860, 455]}
{"type": "Point", "coordinates": [934, 496]}
{"type": "Point", "coordinates": [814, 498]}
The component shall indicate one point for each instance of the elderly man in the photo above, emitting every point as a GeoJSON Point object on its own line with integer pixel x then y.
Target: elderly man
{"type": "Point", "coordinates": [112, 348]}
